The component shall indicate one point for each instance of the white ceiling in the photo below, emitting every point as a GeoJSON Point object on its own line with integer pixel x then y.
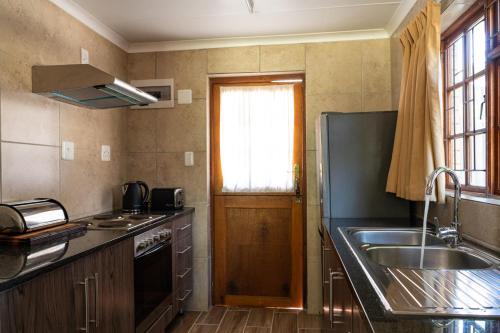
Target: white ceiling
{"type": "Point", "coordinates": [147, 21]}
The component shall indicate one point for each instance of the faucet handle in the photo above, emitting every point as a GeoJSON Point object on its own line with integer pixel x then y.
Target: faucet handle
{"type": "Point", "coordinates": [435, 222]}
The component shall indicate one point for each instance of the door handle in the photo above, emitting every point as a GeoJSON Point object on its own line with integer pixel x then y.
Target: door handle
{"type": "Point", "coordinates": [96, 299]}
{"type": "Point", "coordinates": [85, 284]}
{"type": "Point", "coordinates": [330, 304]}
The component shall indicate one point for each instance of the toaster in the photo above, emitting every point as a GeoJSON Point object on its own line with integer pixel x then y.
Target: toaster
{"type": "Point", "coordinates": [167, 198]}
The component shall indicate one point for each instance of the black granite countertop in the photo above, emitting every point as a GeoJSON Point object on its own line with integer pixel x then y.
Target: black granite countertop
{"type": "Point", "coordinates": [16, 269]}
{"type": "Point", "coordinates": [381, 320]}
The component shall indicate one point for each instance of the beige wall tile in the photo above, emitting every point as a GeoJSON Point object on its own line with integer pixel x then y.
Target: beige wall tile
{"type": "Point", "coordinates": [29, 118]}
{"type": "Point", "coordinates": [141, 130]}
{"type": "Point", "coordinates": [234, 60]}
{"type": "Point", "coordinates": [29, 171]}
{"type": "Point", "coordinates": [112, 129]}
{"type": "Point", "coordinates": [314, 295]}
{"type": "Point", "coordinates": [142, 166]}
{"type": "Point", "coordinates": [173, 173]}
{"type": "Point", "coordinates": [141, 66]}
{"type": "Point", "coordinates": [78, 181]}
{"type": "Point", "coordinates": [313, 240]}
{"type": "Point", "coordinates": [187, 68]}
{"type": "Point", "coordinates": [333, 68]}
{"type": "Point", "coordinates": [376, 77]}
{"type": "Point", "coordinates": [110, 176]}
{"type": "Point", "coordinates": [201, 232]}
{"type": "Point", "coordinates": [312, 184]}
{"type": "Point", "coordinates": [274, 58]}
{"type": "Point", "coordinates": [380, 101]}
{"type": "Point", "coordinates": [183, 128]}
{"type": "Point", "coordinates": [376, 50]}
{"type": "Point", "coordinates": [200, 300]}
{"type": "Point", "coordinates": [79, 125]}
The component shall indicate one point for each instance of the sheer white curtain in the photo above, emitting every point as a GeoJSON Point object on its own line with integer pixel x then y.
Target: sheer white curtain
{"type": "Point", "coordinates": [256, 138]}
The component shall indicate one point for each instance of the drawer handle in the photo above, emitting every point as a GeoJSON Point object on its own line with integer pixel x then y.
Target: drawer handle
{"type": "Point", "coordinates": [184, 227]}
{"type": "Point", "coordinates": [186, 295]}
{"type": "Point", "coordinates": [185, 250]}
{"type": "Point", "coordinates": [186, 272]}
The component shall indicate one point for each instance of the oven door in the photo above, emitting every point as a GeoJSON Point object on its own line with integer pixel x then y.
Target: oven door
{"type": "Point", "coordinates": [152, 280]}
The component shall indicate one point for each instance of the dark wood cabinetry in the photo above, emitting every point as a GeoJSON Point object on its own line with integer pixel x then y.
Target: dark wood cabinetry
{"type": "Point", "coordinates": [93, 294]}
{"type": "Point", "coordinates": [341, 313]}
{"type": "Point", "coordinates": [183, 261]}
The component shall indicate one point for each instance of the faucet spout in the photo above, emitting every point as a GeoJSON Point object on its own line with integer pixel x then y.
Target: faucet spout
{"type": "Point", "coordinates": [429, 189]}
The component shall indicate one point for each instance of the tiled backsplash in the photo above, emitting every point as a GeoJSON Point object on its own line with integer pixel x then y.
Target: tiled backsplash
{"type": "Point", "coordinates": [33, 127]}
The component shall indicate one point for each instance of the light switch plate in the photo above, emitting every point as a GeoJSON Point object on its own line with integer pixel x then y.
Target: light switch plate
{"type": "Point", "coordinates": [184, 96]}
{"type": "Point", "coordinates": [189, 158]}
{"type": "Point", "coordinates": [68, 150]}
{"type": "Point", "coordinates": [84, 56]}
{"type": "Point", "coordinates": [105, 153]}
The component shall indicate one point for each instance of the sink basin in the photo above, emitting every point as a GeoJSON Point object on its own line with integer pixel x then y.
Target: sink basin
{"type": "Point", "coordinates": [434, 258]}
{"type": "Point", "coordinates": [395, 237]}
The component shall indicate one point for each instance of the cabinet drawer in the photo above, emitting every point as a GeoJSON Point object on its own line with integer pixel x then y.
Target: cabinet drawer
{"type": "Point", "coordinates": [184, 279]}
{"type": "Point", "coordinates": [162, 322]}
{"type": "Point", "coordinates": [182, 297]}
{"type": "Point", "coordinates": [183, 227]}
{"type": "Point", "coordinates": [183, 255]}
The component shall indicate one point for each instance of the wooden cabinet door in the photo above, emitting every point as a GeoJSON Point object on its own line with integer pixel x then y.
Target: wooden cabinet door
{"type": "Point", "coordinates": [110, 294]}
{"type": "Point", "coordinates": [45, 304]}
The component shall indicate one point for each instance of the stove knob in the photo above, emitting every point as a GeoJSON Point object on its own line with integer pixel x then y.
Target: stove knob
{"type": "Point", "coordinates": [149, 241]}
{"type": "Point", "coordinates": [156, 237]}
{"type": "Point", "coordinates": [142, 245]}
{"type": "Point", "coordinates": [163, 233]}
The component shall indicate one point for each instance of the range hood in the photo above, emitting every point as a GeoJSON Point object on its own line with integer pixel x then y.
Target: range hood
{"type": "Point", "coordinates": [85, 85]}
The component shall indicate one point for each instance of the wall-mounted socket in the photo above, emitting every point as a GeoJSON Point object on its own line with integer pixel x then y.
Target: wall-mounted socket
{"type": "Point", "coordinates": [84, 56]}
{"type": "Point", "coordinates": [105, 153]}
{"type": "Point", "coordinates": [184, 96]}
{"type": "Point", "coordinates": [68, 150]}
{"type": "Point", "coordinates": [189, 158]}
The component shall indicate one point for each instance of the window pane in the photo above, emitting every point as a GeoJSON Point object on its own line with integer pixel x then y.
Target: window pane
{"type": "Point", "coordinates": [449, 55]}
{"type": "Point", "coordinates": [256, 138]}
{"type": "Point", "coordinates": [480, 152]}
{"type": "Point", "coordinates": [479, 103]}
{"type": "Point", "coordinates": [459, 111]}
{"type": "Point", "coordinates": [458, 60]}
{"type": "Point", "coordinates": [478, 178]}
{"type": "Point", "coordinates": [450, 117]}
{"type": "Point", "coordinates": [477, 49]}
{"type": "Point", "coordinates": [456, 148]}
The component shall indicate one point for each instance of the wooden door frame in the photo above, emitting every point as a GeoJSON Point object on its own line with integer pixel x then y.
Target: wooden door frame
{"type": "Point", "coordinates": [250, 79]}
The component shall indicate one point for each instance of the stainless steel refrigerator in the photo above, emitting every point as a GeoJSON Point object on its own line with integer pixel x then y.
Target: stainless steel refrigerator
{"type": "Point", "coordinates": [354, 154]}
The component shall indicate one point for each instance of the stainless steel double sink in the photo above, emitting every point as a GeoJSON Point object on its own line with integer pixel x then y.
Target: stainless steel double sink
{"type": "Point", "coordinates": [438, 280]}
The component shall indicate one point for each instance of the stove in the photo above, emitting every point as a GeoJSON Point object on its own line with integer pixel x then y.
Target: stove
{"type": "Point", "coordinates": [120, 220]}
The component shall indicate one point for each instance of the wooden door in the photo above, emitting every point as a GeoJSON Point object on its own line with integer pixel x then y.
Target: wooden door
{"type": "Point", "coordinates": [258, 237]}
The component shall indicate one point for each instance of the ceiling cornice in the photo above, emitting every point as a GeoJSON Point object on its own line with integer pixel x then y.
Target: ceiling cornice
{"type": "Point", "coordinates": [399, 15]}
{"type": "Point", "coordinates": [103, 30]}
{"type": "Point", "coordinates": [257, 40]}
{"type": "Point", "coordinates": [92, 22]}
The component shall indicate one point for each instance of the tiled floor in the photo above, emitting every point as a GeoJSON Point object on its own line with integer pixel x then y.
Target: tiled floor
{"type": "Point", "coordinates": [241, 320]}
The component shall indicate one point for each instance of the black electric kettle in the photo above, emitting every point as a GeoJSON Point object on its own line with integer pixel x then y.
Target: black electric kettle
{"type": "Point", "coordinates": [135, 196]}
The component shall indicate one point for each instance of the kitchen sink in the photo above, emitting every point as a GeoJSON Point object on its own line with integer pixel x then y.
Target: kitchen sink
{"type": "Point", "coordinates": [395, 237]}
{"type": "Point", "coordinates": [452, 282]}
{"type": "Point", "coordinates": [433, 258]}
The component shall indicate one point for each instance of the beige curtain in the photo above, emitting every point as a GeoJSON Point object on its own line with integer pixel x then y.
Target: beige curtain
{"type": "Point", "coordinates": [418, 143]}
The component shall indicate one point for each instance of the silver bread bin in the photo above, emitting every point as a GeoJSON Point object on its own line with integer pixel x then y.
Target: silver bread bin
{"type": "Point", "coordinates": [26, 216]}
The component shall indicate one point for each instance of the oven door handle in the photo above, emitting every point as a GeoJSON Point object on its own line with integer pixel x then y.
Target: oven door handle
{"type": "Point", "coordinates": [154, 249]}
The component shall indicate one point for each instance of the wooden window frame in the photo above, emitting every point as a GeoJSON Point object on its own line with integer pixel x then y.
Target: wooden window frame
{"type": "Point", "coordinates": [486, 8]}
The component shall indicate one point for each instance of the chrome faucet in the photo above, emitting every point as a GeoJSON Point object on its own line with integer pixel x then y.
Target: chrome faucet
{"type": "Point", "coordinates": [454, 232]}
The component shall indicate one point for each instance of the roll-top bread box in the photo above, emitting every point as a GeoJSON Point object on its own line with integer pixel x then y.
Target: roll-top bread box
{"type": "Point", "coordinates": [30, 215]}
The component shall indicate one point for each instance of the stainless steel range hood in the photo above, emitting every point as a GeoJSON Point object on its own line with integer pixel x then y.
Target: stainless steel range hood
{"type": "Point", "coordinates": [85, 85]}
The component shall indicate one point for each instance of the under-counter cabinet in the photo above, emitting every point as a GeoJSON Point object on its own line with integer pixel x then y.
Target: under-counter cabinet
{"type": "Point", "coordinates": [341, 313]}
{"type": "Point", "coordinates": [183, 261]}
{"type": "Point", "coordinates": [92, 294]}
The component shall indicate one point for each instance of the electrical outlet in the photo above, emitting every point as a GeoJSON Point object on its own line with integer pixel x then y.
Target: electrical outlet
{"type": "Point", "coordinates": [68, 151]}
{"type": "Point", "coordinates": [189, 158]}
{"type": "Point", "coordinates": [84, 56]}
{"type": "Point", "coordinates": [184, 96]}
{"type": "Point", "coordinates": [105, 153]}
